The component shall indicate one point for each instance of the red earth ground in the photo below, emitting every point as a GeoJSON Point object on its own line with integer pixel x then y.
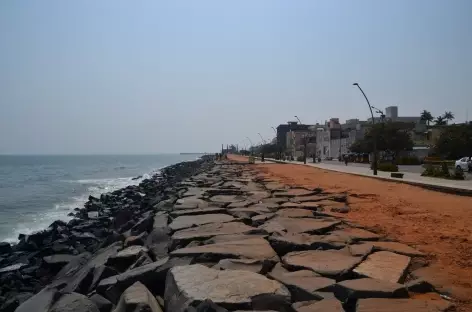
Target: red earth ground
{"type": "Point", "coordinates": [435, 223]}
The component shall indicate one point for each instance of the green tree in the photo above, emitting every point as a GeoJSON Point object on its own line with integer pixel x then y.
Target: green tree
{"type": "Point", "coordinates": [390, 136]}
{"type": "Point", "coordinates": [448, 116]}
{"type": "Point", "coordinates": [440, 121]}
{"type": "Point", "coordinates": [455, 142]}
{"type": "Point", "coordinates": [426, 116]}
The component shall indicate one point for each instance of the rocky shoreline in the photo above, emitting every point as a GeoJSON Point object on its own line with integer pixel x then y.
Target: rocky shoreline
{"type": "Point", "coordinates": [212, 236]}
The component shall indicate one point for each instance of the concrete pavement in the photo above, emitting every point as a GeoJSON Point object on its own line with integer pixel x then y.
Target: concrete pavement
{"type": "Point", "coordinates": [459, 187]}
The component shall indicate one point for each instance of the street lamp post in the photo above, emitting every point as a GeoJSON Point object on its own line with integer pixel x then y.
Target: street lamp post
{"type": "Point", "coordinates": [374, 158]}
{"type": "Point", "coordinates": [251, 143]}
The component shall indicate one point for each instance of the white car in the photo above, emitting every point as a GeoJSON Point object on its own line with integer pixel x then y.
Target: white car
{"type": "Point", "coordinates": [463, 163]}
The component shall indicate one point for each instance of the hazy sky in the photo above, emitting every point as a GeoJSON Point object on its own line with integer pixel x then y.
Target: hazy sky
{"type": "Point", "coordinates": [169, 76]}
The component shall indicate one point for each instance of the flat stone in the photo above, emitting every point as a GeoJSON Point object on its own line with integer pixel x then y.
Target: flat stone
{"type": "Point", "coordinates": [310, 198]}
{"type": "Point", "coordinates": [272, 186]}
{"type": "Point", "coordinates": [230, 289]}
{"type": "Point", "coordinates": [275, 200]}
{"type": "Point", "coordinates": [152, 275]}
{"type": "Point", "coordinates": [196, 211]}
{"type": "Point", "coordinates": [40, 302]}
{"type": "Point", "coordinates": [250, 265]}
{"type": "Point", "coordinates": [295, 213]}
{"type": "Point", "coordinates": [255, 248]}
{"type": "Point", "coordinates": [240, 204]}
{"type": "Point", "coordinates": [232, 237]}
{"type": "Point", "coordinates": [368, 288]}
{"type": "Point", "coordinates": [13, 267]}
{"type": "Point", "coordinates": [212, 229]}
{"type": "Point", "coordinates": [396, 305]}
{"type": "Point", "coordinates": [326, 305]}
{"type": "Point", "coordinates": [226, 199]}
{"type": "Point", "coordinates": [298, 225]}
{"type": "Point", "coordinates": [293, 192]}
{"type": "Point", "coordinates": [291, 205]}
{"type": "Point", "coordinates": [126, 257]}
{"type": "Point", "coordinates": [355, 235]}
{"type": "Point", "coordinates": [56, 262]}
{"type": "Point", "coordinates": [288, 242]}
{"type": "Point", "coordinates": [195, 191]}
{"type": "Point", "coordinates": [183, 222]}
{"type": "Point", "coordinates": [361, 250]}
{"type": "Point", "coordinates": [190, 203]}
{"type": "Point", "coordinates": [325, 262]}
{"type": "Point", "coordinates": [260, 219]}
{"type": "Point", "coordinates": [102, 303]}
{"type": "Point", "coordinates": [249, 211]}
{"type": "Point", "coordinates": [73, 302]}
{"type": "Point", "coordinates": [419, 286]}
{"type": "Point", "coordinates": [137, 298]}
{"type": "Point", "coordinates": [303, 284]}
{"type": "Point", "coordinates": [384, 265]}
{"type": "Point", "coordinates": [397, 248]}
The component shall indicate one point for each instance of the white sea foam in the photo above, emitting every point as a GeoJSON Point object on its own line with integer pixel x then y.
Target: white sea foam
{"type": "Point", "coordinates": [41, 220]}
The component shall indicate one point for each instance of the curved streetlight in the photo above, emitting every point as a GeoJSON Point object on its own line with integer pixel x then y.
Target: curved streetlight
{"type": "Point", "coordinates": [374, 165]}
{"type": "Point", "coordinates": [275, 131]}
{"type": "Point", "coordinates": [262, 138]}
{"type": "Point", "coordinates": [298, 119]}
{"type": "Point", "coordinates": [251, 144]}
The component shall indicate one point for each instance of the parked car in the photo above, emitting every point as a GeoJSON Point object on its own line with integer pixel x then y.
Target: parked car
{"type": "Point", "coordinates": [464, 163]}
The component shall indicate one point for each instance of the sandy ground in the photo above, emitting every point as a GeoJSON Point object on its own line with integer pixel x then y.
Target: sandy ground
{"type": "Point", "coordinates": [435, 223]}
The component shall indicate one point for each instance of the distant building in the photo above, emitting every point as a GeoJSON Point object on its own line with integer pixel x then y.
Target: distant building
{"type": "Point", "coordinates": [284, 129]}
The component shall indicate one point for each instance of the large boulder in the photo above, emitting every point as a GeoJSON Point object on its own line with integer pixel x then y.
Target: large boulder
{"type": "Point", "coordinates": [384, 265]}
{"type": "Point", "coordinates": [74, 302]}
{"type": "Point", "coordinates": [137, 298]}
{"type": "Point", "coordinates": [230, 289]}
{"type": "Point", "coordinates": [5, 247]}
{"type": "Point", "coordinates": [368, 288]}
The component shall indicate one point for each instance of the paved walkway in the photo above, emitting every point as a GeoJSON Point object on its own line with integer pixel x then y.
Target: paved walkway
{"type": "Point", "coordinates": [453, 186]}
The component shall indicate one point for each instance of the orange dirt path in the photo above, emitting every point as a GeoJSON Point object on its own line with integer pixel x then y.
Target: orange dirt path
{"type": "Point", "coordinates": [435, 223]}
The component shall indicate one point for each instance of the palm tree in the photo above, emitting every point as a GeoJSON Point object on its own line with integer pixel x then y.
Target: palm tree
{"type": "Point", "coordinates": [426, 116]}
{"type": "Point", "coordinates": [448, 116]}
{"type": "Point", "coordinates": [440, 121]}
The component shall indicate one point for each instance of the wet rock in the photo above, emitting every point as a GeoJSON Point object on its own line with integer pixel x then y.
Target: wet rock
{"type": "Point", "coordinates": [152, 275]}
{"type": "Point", "coordinates": [56, 262]}
{"type": "Point", "coordinates": [251, 265]}
{"type": "Point", "coordinates": [326, 305]}
{"type": "Point", "coordinates": [5, 247]}
{"type": "Point", "coordinates": [394, 305]}
{"type": "Point", "coordinates": [13, 302]}
{"type": "Point", "coordinates": [158, 242]}
{"type": "Point", "coordinates": [12, 268]}
{"type": "Point", "coordinates": [384, 265]}
{"type": "Point", "coordinates": [74, 302]}
{"type": "Point", "coordinates": [137, 298]}
{"type": "Point", "coordinates": [255, 248]}
{"type": "Point", "coordinates": [145, 224]}
{"type": "Point", "coordinates": [368, 288]}
{"type": "Point", "coordinates": [135, 240]}
{"type": "Point", "coordinates": [208, 230]}
{"type": "Point", "coordinates": [40, 302]}
{"type": "Point", "coordinates": [331, 263]}
{"type": "Point", "coordinates": [123, 259]}
{"type": "Point", "coordinates": [303, 284]}
{"type": "Point", "coordinates": [183, 222]}
{"type": "Point", "coordinates": [186, 285]}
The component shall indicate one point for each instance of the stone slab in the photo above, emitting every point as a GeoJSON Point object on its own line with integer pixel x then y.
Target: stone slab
{"type": "Point", "coordinates": [355, 235]}
{"type": "Point", "coordinates": [303, 284]}
{"type": "Point", "coordinates": [249, 211]}
{"type": "Point", "coordinates": [250, 265]}
{"type": "Point", "coordinates": [397, 248]}
{"type": "Point", "coordinates": [407, 305]}
{"type": "Point", "coordinates": [293, 192]}
{"type": "Point", "coordinates": [384, 265]}
{"type": "Point", "coordinates": [230, 289]}
{"type": "Point", "coordinates": [184, 222]}
{"type": "Point", "coordinates": [190, 203]}
{"type": "Point", "coordinates": [288, 242]}
{"type": "Point", "coordinates": [326, 305]}
{"type": "Point", "coordinates": [298, 225]}
{"type": "Point", "coordinates": [255, 248]}
{"type": "Point", "coordinates": [196, 211]}
{"type": "Point", "coordinates": [333, 263]}
{"type": "Point", "coordinates": [295, 213]}
{"type": "Point", "coordinates": [212, 229]}
{"type": "Point", "coordinates": [368, 288]}
{"type": "Point", "coordinates": [137, 298]}
{"type": "Point", "coordinates": [232, 237]}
